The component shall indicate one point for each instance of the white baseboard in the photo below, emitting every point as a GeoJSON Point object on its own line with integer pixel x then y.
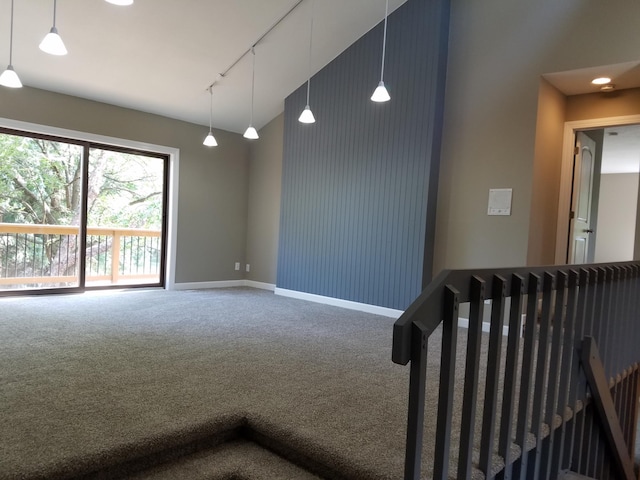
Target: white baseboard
{"type": "Point", "coordinates": [337, 302]}
{"type": "Point", "coordinates": [223, 284]}
{"type": "Point", "coordinates": [486, 326]}
{"type": "Point", "coordinates": [204, 285]}
{"type": "Point", "coordinates": [261, 285]}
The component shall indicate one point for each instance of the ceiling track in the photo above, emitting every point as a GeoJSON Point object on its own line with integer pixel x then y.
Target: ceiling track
{"type": "Point", "coordinates": [253, 45]}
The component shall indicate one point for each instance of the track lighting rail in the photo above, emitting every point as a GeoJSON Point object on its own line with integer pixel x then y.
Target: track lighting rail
{"type": "Point", "coordinates": [248, 50]}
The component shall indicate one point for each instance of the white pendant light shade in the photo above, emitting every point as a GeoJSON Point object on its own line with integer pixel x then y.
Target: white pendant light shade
{"type": "Point", "coordinates": [251, 133]}
{"type": "Point", "coordinates": [210, 140]}
{"type": "Point", "coordinates": [121, 2]}
{"type": "Point", "coordinates": [306, 116]}
{"type": "Point", "coordinates": [9, 78]}
{"type": "Point", "coordinates": [52, 43]}
{"type": "Point", "coordinates": [380, 94]}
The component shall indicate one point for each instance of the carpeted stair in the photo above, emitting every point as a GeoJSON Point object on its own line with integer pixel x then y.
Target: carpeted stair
{"type": "Point", "coordinates": [232, 451]}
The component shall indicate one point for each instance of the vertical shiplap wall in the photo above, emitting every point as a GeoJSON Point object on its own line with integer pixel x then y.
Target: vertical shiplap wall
{"type": "Point", "coordinates": [359, 185]}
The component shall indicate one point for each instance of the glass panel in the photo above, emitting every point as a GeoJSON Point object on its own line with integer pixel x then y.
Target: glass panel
{"type": "Point", "coordinates": [586, 183]}
{"type": "Point", "coordinates": [124, 219]}
{"type": "Point", "coordinates": [580, 251]}
{"type": "Point", "coordinates": [40, 200]}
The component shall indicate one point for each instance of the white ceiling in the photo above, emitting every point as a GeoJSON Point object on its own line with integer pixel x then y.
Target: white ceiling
{"type": "Point", "coordinates": [159, 56]}
{"type": "Point", "coordinates": [578, 82]}
{"type": "Point", "coordinates": [621, 149]}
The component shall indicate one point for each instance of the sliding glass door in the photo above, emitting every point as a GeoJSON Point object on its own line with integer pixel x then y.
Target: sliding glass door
{"type": "Point", "coordinates": [124, 218]}
{"type": "Point", "coordinates": [40, 213]}
{"type": "Point", "coordinates": [76, 215]}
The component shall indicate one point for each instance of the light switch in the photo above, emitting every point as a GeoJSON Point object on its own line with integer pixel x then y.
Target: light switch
{"type": "Point", "coordinates": [500, 201]}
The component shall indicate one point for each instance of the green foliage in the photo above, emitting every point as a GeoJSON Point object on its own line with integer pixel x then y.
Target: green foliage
{"type": "Point", "coordinates": [37, 178]}
{"type": "Point", "coordinates": [131, 190]}
{"type": "Point", "coordinates": [40, 183]}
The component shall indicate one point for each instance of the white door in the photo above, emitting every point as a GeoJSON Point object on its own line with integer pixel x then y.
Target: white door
{"type": "Point", "coordinates": [581, 232]}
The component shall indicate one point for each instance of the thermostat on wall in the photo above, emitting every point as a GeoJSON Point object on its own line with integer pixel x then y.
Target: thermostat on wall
{"type": "Point", "coordinates": [500, 201]}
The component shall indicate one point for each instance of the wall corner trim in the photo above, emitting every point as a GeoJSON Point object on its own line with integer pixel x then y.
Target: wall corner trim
{"type": "Point", "coordinates": [337, 302]}
{"type": "Point", "coordinates": [261, 285]}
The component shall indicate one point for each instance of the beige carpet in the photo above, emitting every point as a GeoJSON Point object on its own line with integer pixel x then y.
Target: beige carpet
{"type": "Point", "coordinates": [96, 379]}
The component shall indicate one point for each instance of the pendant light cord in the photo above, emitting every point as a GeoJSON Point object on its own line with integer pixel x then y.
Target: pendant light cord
{"type": "Point", "coordinates": [310, 50]}
{"type": "Point", "coordinates": [253, 82]}
{"type": "Point", "coordinates": [384, 40]}
{"type": "Point", "coordinates": [11, 37]}
{"type": "Point", "coordinates": [210, 108]}
{"type": "Point", "coordinates": [54, 13]}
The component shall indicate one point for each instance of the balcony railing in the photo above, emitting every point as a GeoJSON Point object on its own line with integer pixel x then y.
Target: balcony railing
{"type": "Point", "coordinates": [33, 256]}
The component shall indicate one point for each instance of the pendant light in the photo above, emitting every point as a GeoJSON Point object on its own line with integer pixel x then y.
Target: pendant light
{"type": "Point", "coordinates": [380, 94]}
{"type": "Point", "coordinates": [9, 77]}
{"type": "Point", "coordinates": [210, 140]}
{"type": "Point", "coordinates": [307, 115]}
{"type": "Point", "coordinates": [251, 132]}
{"type": "Point", "coordinates": [121, 2]}
{"type": "Point", "coordinates": [52, 43]}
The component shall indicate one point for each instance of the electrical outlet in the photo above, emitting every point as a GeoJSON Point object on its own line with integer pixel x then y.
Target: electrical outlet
{"type": "Point", "coordinates": [248, 268]}
{"type": "Point", "coordinates": [237, 265]}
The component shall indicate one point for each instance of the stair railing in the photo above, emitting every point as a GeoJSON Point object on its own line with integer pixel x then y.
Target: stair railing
{"type": "Point", "coordinates": [543, 410]}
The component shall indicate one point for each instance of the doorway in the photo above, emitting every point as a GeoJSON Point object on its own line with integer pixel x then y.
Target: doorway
{"type": "Point", "coordinates": [76, 215]}
{"type": "Point", "coordinates": [597, 214]}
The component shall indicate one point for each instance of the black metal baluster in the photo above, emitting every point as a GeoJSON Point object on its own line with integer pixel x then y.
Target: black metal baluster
{"type": "Point", "coordinates": [144, 256]}
{"type": "Point", "coordinates": [578, 380]}
{"type": "Point", "coordinates": [548, 288]}
{"type": "Point", "coordinates": [469, 402]}
{"type": "Point", "coordinates": [606, 321]}
{"type": "Point", "coordinates": [590, 330]}
{"type": "Point", "coordinates": [566, 369]}
{"type": "Point", "coordinates": [447, 384]}
{"type": "Point", "coordinates": [551, 409]}
{"type": "Point", "coordinates": [526, 377]}
{"type": "Point", "coordinates": [131, 256]}
{"type": "Point", "coordinates": [510, 375]}
{"type": "Point", "coordinates": [498, 293]}
{"type": "Point", "coordinates": [415, 420]}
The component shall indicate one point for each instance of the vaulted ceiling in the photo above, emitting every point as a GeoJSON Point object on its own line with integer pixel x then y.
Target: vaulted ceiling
{"type": "Point", "coordinates": [160, 56]}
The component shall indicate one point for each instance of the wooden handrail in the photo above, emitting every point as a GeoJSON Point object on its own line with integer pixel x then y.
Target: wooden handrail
{"type": "Point", "coordinates": [27, 228]}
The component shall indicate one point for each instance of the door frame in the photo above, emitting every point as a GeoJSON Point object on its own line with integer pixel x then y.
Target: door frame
{"type": "Point", "coordinates": [172, 184]}
{"type": "Point", "coordinates": [566, 173]}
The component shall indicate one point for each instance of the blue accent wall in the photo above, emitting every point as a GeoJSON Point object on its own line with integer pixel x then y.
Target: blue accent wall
{"type": "Point", "coordinates": [359, 187]}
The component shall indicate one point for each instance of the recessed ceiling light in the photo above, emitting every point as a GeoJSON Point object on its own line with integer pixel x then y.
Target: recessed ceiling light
{"type": "Point", "coordinates": [121, 2]}
{"type": "Point", "coordinates": [609, 87]}
{"type": "Point", "coordinates": [601, 80]}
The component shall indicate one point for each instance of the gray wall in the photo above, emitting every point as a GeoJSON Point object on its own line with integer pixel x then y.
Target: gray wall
{"type": "Point", "coordinates": [546, 175]}
{"type": "Point", "coordinates": [359, 185]}
{"type": "Point", "coordinates": [263, 224]}
{"type": "Point", "coordinates": [498, 51]}
{"type": "Point", "coordinates": [617, 206]}
{"type": "Point", "coordinates": [212, 207]}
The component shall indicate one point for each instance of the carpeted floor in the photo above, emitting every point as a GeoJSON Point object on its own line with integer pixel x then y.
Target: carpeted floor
{"type": "Point", "coordinates": [88, 380]}
{"type": "Point", "coordinates": [103, 384]}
